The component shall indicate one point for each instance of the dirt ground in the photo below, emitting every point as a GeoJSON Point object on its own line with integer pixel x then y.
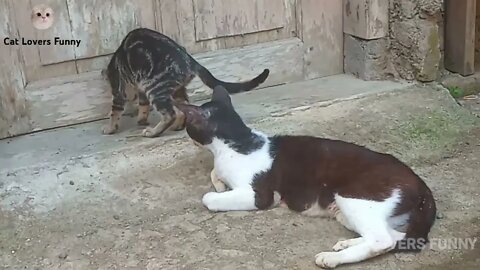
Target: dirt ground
{"type": "Point", "coordinates": [147, 213]}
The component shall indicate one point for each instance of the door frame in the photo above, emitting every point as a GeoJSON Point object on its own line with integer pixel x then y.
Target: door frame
{"type": "Point", "coordinates": [460, 36]}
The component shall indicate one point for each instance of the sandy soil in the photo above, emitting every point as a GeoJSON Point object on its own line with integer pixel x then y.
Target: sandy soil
{"type": "Point", "coordinates": [139, 207]}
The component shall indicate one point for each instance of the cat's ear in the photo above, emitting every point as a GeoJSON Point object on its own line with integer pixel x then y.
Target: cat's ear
{"type": "Point", "coordinates": [220, 94]}
{"type": "Point", "coordinates": [192, 112]}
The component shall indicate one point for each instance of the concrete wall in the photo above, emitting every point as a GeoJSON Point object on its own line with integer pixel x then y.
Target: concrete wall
{"type": "Point", "coordinates": [411, 49]}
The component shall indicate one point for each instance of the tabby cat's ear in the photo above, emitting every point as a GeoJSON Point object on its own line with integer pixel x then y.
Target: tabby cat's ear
{"type": "Point", "coordinates": [220, 94]}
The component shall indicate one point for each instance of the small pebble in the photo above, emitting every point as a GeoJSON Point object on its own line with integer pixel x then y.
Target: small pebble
{"type": "Point", "coordinates": [440, 216]}
{"type": "Point", "coordinates": [63, 255]}
{"type": "Point", "coordinates": [116, 217]}
{"type": "Point", "coordinates": [72, 183]}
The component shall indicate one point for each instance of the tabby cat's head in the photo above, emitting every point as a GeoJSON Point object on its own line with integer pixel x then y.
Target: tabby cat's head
{"type": "Point", "coordinates": [214, 119]}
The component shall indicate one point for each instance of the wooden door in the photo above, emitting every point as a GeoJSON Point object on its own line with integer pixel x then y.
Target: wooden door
{"type": "Point", "coordinates": [295, 39]}
{"type": "Point", "coordinates": [235, 40]}
{"type": "Point", "coordinates": [460, 36]}
{"type": "Point", "coordinates": [100, 25]}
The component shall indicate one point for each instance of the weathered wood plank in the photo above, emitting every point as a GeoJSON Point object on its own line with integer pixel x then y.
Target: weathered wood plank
{"type": "Point", "coordinates": [460, 36]}
{"type": "Point", "coordinates": [178, 21]}
{"type": "Point", "coordinates": [158, 16]}
{"type": "Point", "coordinates": [283, 58]}
{"type": "Point", "coordinates": [477, 36]}
{"type": "Point", "coordinates": [367, 19]}
{"type": "Point", "coordinates": [221, 18]}
{"type": "Point", "coordinates": [14, 114]}
{"type": "Point", "coordinates": [322, 34]}
{"type": "Point", "coordinates": [92, 64]}
{"type": "Point", "coordinates": [224, 18]}
{"type": "Point", "coordinates": [36, 73]}
{"type": "Point", "coordinates": [54, 104]}
{"type": "Point", "coordinates": [270, 14]}
{"type": "Point", "coordinates": [288, 31]}
{"type": "Point", "coordinates": [102, 36]}
{"type": "Point", "coordinates": [60, 28]}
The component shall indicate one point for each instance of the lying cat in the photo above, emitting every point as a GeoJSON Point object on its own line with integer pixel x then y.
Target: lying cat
{"type": "Point", "coordinates": [372, 194]}
{"type": "Point", "coordinates": [154, 69]}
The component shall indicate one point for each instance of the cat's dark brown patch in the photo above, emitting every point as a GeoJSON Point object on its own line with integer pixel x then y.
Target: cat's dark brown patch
{"type": "Point", "coordinates": [307, 170]}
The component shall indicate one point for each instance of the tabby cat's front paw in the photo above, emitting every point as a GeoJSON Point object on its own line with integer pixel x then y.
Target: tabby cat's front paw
{"type": "Point", "coordinates": [149, 132]}
{"type": "Point", "coordinates": [108, 130]}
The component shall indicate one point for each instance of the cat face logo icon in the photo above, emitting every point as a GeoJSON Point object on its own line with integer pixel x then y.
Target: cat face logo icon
{"type": "Point", "coordinates": [42, 17]}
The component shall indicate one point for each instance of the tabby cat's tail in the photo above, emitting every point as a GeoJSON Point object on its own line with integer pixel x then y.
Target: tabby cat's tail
{"type": "Point", "coordinates": [209, 80]}
{"type": "Point", "coordinates": [419, 225]}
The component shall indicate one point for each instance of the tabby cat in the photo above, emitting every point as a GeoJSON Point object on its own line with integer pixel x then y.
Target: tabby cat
{"type": "Point", "coordinates": [370, 193]}
{"type": "Point", "coordinates": [154, 69]}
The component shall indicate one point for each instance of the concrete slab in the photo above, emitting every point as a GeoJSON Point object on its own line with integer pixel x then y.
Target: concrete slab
{"type": "Point", "coordinates": [61, 144]}
{"type": "Point", "coordinates": [121, 202]}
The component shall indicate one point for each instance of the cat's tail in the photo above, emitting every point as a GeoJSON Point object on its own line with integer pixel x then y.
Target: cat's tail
{"type": "Point", "coordinates": [209, 80]}
{"type": "Point", "coordinates": [421, 220]}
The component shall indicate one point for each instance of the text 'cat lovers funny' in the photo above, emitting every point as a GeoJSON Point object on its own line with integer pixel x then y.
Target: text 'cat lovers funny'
{"type": "Point", "coordinates": [57, 41]}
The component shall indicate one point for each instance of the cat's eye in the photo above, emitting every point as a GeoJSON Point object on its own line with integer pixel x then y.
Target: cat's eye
{"type": "Point", "coordinates": [48, 14]}
{"type": "Point", "coordinates": [39, 14]}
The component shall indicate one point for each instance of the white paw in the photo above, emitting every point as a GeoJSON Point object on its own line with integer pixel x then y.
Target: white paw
{"type": "Point", "coordinates": [108, 130]}
{"type": "Point", "coordinates": [327, 259]}
{"type": "Point", "coordinates": [341, 245]}
{"type": "Point", "coordinates": [277, 199]}
{"type": "Point", "coordinates": [148, 132]}
{"type": "Point", "coordinates": [210, 201]}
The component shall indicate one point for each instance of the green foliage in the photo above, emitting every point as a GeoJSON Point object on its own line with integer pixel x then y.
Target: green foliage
{"type": "Point", "coordinates": [456, 92]}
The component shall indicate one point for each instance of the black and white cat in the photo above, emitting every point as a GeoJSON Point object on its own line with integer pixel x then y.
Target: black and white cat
{"type": "Point", "coordinates": [152, 69]}
{"type": "Point", "coordinates": [370, 193]}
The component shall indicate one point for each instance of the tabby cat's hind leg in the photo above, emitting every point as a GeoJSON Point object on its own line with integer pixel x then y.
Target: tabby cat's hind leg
{"type": "Point", "coordinates": [180, 96]}
{"type": "Point", "coordinates": [118, 103]}
{"type": "Point", "coordinates": [179, 123]}
{"type": "Point", "coordinates": [143, 109]}
{"type": "Point", "coordinates": [167, 117]}
{"type": "Point", "coordinates": [131, 100]}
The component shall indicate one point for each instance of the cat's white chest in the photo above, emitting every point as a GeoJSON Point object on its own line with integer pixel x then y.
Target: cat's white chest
{"type": "Point", "coordinates": [236, 169]}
